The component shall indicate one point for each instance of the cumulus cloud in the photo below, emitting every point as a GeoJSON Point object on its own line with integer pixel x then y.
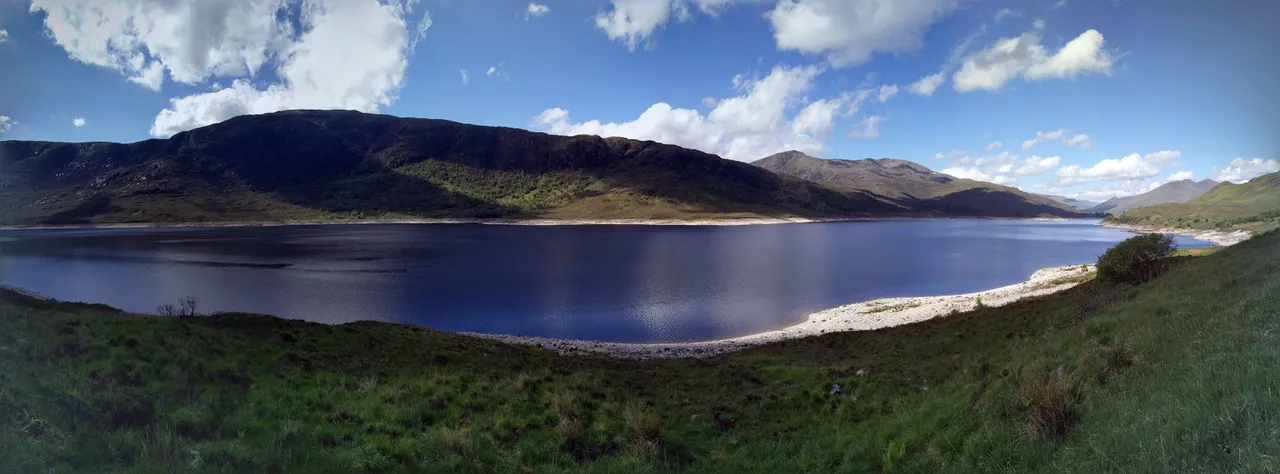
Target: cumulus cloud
{"type": "Point", "coordinates": [949, 155]}
{"type": "Point", "coordinates": [1131, 167]}
{"type": "Point", "coordinates": [926, 85]}
{"type": "Point", "coordinates": [466, 78]}
{"type": "Point", "coordinates": [191, 40]}
{"type": "Point", "coordinates": [1179, 176]}
{"type": "Point", "coordinates": [1078, 140]}
{"type": "Point", "coordinates": [869, 128]}
{"type": "Point", "coordinates": [536, 10]}
{"type": "Point", "coordinates": [633, 21]}
{"type": "Point", "coordinates": [6, 124]}
{"type": "Point", "coordinates": [746, 127]}
{"type": "Point", "coordinates": [79, 122]}
{"type": "Point", "coordinates": [977, 174]}
{"type": "Point", "coordinates": [994, 145]}
{"type": "Point", "coordinates": [1042, 137]}
{"type": "Point", "coordinates": [351, 54]}
{"type": "Point", "coordinates": [1117, 189]}
{"type": "Point", "coordinates": [887, 92]}
{"type": "Point", "coordinates": [846, 32]}
{"type": "Point", "coordinates": [990, 69]}
{"type": "Point", "coordinates": [1241, 170]}
{"type": "Point", "coordinates": [4, 35]}
{"type": "Point", "coordinates": [849, 32]}
{"type": "Point", "coordinates": [1036, 165]}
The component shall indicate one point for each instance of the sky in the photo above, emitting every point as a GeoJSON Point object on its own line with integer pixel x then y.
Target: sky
{"type": "Point", "coordinates": [1085, 98]}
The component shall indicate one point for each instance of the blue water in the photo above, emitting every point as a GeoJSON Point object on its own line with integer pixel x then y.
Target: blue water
{"type": "Point", "coordinates": [613, 283]}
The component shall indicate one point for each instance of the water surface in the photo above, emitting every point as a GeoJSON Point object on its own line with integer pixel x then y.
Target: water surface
{"type": "Point", "coordinates": [614, 283]}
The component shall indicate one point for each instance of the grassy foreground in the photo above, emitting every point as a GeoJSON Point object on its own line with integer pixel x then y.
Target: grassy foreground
{"type": "Point", "coordinates": [1177, 375]}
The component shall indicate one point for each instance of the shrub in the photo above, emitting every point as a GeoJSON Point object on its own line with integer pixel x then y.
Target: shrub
{"type": "Point", "coordinates": [1136, 260]}
{"type": "Point", "coordinates": [1050, 401]}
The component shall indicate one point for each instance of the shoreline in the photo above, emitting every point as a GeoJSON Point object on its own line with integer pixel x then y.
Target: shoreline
{"type": "Point", "coordinates": [864, 316]}
{"type": "Point", "coordinates": [1216, 237]}
{"type": "Point", "coordinates": [725, 222]}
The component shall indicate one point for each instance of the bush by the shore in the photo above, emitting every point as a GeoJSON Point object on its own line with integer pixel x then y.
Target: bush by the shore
{"type": "Point", "coordinates": [1136, 260]}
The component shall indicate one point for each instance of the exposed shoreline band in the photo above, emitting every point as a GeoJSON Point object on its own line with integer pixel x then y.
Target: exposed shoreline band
{"type": "Point", "coordinates": [1216, 237]}
{"type": "Point", "coordinates": [864, 316]}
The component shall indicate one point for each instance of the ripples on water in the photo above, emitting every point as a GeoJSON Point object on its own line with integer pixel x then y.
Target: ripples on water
{"type": "Point", "coordinates": [617, 283]}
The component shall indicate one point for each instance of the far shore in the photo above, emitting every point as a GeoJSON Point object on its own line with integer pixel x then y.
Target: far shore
{"type": "Point", "coordinates": [727, 222]}
{"type": "Point", "coordinates": [865, 316]}
{"type": "Point", "coordinates": [1216, 237]}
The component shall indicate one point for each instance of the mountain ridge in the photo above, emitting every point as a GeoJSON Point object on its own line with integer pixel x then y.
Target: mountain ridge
{"type": "Point", "coordinates": [1171, 192]}
{"type": "Point", "coordinates": [916, 185]}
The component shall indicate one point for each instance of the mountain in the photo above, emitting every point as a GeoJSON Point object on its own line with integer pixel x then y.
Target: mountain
{"type": "Point", "coordinates": [1171, 192]}
{"type": "Point", "coordinates": [913, 185]}
{"type": "Point", "coordinates": [1254, 205]}
{"type": "Point", "coordinates": [1077, 204]}
{"type": "Point", "coordinates": [324, 165]}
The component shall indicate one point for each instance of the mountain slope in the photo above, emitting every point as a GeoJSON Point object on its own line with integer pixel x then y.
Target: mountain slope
{"type": "Point", "coordinates": [1254, 205]}
{"type": "Point", "coordinates": [1077, 204]}
{"type": "Point", "coordinates": [323, 165]}
{"type": "Point", "coordinates": [1172, 192]}
{"type": "Point", "coordinates": [916, 186]}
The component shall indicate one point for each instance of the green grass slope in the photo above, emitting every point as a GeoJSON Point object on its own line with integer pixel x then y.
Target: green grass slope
{"type": "Point", "coordinates": [1177, 375]}
{"type": "Point", "coordinates": [334, 165]}
{"type": "Point", "coordinates": [1254, 205]}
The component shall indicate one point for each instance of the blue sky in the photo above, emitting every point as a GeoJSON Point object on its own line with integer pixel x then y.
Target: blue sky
{"type": "Point", "coordinates": [1086, 98]}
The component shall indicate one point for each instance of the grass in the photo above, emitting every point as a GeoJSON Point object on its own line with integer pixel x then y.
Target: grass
{"type": "Point", "coordinates": [1176, 375]}
{"type": "Point", "coordinates": [894, 307]}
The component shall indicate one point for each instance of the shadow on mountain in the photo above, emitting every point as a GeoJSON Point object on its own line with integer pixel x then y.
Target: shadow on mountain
{"type": "Point", "coordinates": [350, 164]}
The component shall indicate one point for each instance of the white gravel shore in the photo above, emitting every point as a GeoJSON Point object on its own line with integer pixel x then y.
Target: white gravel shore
{"type": "Point", "coordinates": [864, 316]}
{"type": "Point", "coordinates": [1216, 237]}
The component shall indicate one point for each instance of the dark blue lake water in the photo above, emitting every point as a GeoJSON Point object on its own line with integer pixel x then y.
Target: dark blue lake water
{"type": "Point", "coordinates": [614, 283]}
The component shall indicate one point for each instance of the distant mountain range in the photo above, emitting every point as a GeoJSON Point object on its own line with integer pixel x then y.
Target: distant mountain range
{"type": "Point", "coordinates": [1171, 192]}
{"type": "Point", "coordinates": [1254, 205]}
{"type": "Point", "coordinates": [916, 186]}
{"type": "Point", "coordinates": [338, 165]}
{"type": "Point", "coordinates": [1078, 204]}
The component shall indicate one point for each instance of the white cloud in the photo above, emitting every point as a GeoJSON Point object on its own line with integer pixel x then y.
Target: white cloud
{"type": "Point", "coordinates": [994, 145]}
{"type": "Point", "coordinates": [1078, 140]}
{"type": "Point", "coordinates": [846, 32]}
{"type": "Point", "coordinates": [536, 10]}
{"type": "Point", "coordinates": [1005, 13]}
{"type": "Point", "coordinates": [351, 54]}
{"type": "Point", "coordinates": [1241, 170]}
{"type": "Point", "coordinates": [978, 175]}
{"type": "Point", "coordinates": [1179, 176]}
{"type": "Point", "coordinates": [746, 127]}
{"type": "Point", "coordinates": [849, 32]}
{"type": "Point", "coordinates": [6, 124]}
{"type": "Point", "coordinates": [1131, 167]}
{"type": "Point", "coordinates": [926, 85]}
{"type": "Point", "coordinates": [1058, 5]}
{"type": "Point", "coordinates": [79, 122]}
{"type": "Point", "coordinates": [492, 70]}
{"type": "Point", "coordinates": [887, 92]}
{"type": "Point", "coordinates": [1009, 58]}
{"type": "Point", "coordinates": [1112, 190]}
{"type": "Point", "coordinates": [192, 40]}
{"type": "Point", "coordinates": [633, 21]}
{"type": "Point", "coordinates": [869, 128]}
{"type": "Point", "coordinates": [1036, 165]}
{"type": "Point", "coordinates": [949, 155]}
{"type": "Point", "coordinates": [466, 78]}
{"type": "Point", "coordinates": [1042, 137]}
{"type": "Point", "coordinates": [4, 35]}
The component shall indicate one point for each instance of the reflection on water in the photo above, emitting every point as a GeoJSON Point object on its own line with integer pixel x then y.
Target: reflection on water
{"type": "Point", "coordinates": [618, 283]}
